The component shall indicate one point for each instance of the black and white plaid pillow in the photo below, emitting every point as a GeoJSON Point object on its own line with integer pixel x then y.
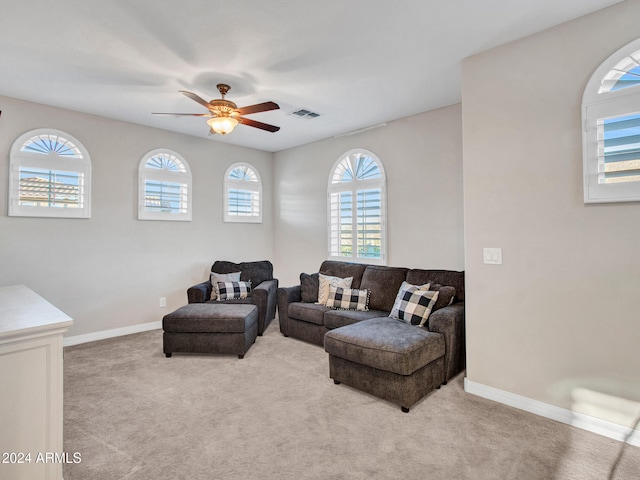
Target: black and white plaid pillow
{"type": "Point", "coordinates": [222, 277]}
{"type": "Point", "coordinates": [413, 304]}
{"type": "Point", "coordinates": [348, 298]}
{"type": "Point", "coordinates": [234, 290]}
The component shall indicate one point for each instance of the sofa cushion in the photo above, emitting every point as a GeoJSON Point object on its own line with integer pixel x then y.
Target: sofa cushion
{"type": "Point", "coordinates": [385, 344]}
{"type": "Point", "coordinates": [443, 277]}
{"type": "Point", "coordinates": [340, 318]}
{"type": "Point", "coordinates": [413, 304]}
{"type": "Point", "coordinates": [307, 312]}
{"type": "Point", "coordinates": [343, 270]}
{"type": "Point", "coordinates": [384, 283]}
{"type": "Point", "coordinates": [326, 281]}
{"type": "Point", "coordinates": [309, 285]}
{"type": "Point", "coordinates": [257, 272]}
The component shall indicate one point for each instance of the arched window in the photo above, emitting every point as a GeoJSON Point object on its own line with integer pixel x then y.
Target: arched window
{"type": "Point", "coordinates": [357, 208]}
{"type": "Point", "coordinates": [164, 187]}
{"type": "Point", "coordinates": [49, 176]}
{"type": "Point", "coordinates": [611, 135]}
{"type": "Point", "coordinates": [243, 194]}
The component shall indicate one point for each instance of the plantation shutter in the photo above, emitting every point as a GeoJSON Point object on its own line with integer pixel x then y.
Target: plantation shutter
{"type": "Point", "coordinates": [243, 202]}
{"type": "Point", "coordinates": [50, 188]}
{"type": "Point", "coordinates": [162, 196]}
{"type": "Point", "coordinates": [341, 233]}
{"type": "Point", "coordinates": [369, 220]}
{"type": "Point", "coordinates": [619, 149]}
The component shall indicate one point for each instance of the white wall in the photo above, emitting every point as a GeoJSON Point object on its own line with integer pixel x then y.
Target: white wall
{"type": "Point", "coordinates": [109, 271]}
{"type": "Point", "coordinates": [422, 157]}
{"type": "Point", "coordinates": [561, 312]}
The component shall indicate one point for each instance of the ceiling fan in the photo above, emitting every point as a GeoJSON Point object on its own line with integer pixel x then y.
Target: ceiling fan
{"type": "Point", "coordinates": [225, 115]}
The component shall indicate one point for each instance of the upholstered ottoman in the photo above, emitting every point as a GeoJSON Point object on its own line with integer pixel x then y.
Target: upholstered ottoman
{"type": "Point", "coordinates": [387, 358]}
{"type": "Point", "coordinates": [210, 328]}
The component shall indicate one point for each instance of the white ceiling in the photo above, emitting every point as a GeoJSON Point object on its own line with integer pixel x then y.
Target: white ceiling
{"type": "Point", "coordinates": [358, 63]}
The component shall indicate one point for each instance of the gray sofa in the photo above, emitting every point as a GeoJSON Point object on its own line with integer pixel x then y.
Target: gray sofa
{"type": "Point", "coordinates": [263, 288]}
{"type": "Point", "coordinates": [300, 317]}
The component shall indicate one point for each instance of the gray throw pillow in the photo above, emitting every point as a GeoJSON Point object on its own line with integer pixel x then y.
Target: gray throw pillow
{"type": "Point", "coordinates": [445, 296]}
{"type": "Point", "coordinates": [309, 284]}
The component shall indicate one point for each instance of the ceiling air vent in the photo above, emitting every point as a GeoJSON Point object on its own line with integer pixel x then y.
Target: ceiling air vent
{"type": "Point", "coordinates": [305, 113]}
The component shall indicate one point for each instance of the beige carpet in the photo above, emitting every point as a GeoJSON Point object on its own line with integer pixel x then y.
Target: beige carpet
{"type": "Point", "coordinates": [133, 414]}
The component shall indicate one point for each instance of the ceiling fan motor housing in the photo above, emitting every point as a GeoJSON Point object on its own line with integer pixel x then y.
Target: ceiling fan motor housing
{"type": "Point", "coordinates": [222, 108]}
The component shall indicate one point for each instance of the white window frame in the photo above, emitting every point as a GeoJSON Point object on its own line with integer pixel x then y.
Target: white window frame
{"type": "Point", "coordinates": [164, 175]}
{"type": "Point", "coordinates": [81, 165]}
{"type": "Point", "coordinates": [598, 104]}
{"type": "Point", "coordinates": [255, 187]}
{"type": "Point", "coordinates": [353, 188]}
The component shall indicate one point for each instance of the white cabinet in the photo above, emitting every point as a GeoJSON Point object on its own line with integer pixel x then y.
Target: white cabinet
{"type": "Point", "coordinates": [31, 397]}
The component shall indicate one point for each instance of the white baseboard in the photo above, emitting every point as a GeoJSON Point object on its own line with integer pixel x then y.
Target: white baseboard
{"type": "Point", "coordinates": [116, 332]}
{"type": "Point", "coordinates": [563, 415]}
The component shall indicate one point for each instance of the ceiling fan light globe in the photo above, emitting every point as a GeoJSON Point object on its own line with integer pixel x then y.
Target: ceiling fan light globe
{"type": "Point", "coordinates": [222, 125]}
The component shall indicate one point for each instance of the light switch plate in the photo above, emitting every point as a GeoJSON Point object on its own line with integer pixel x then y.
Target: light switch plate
{"type": "Point", "coordinates": [492, 256]}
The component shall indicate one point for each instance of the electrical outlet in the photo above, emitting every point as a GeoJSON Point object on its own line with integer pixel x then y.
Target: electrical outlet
{"type": "Point", "coordinates": [163, 302]}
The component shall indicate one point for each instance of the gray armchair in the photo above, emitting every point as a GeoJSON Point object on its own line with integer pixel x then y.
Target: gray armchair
{"type": "Point", "coordinates": [263, 288]}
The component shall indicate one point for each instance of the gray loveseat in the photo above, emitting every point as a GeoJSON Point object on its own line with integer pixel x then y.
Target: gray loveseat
{"type": "Point", "coordinates": [263, 288]}
{"type": "Point", "coordinates": [300, 317]}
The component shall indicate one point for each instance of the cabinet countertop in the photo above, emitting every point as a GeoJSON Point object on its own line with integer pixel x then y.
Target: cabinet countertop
{"type": "Point", "coordinates": [23, 311]}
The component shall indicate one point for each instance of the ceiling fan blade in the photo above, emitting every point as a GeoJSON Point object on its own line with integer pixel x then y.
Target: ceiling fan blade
{"type": "Point", "coordinates": [260, 125]}
{"type": "Point", "coordinates": [185, 114]}
{"type": "Point", "coordinates": [196, 98]}
{"type": "Point", "coordinates": [258, 107]}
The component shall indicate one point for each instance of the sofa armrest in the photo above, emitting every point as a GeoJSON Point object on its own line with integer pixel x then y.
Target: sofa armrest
{"type": "Point", "coordinates": [199, 293]}
{"type": "Point", "coordinates": [268, 286]}
{"type": "Point", "coordinates": [449, 321]}
{"type": "Point", "coordinates": [263, 296]}
{"type": "Point", "coordinates": [290, 294]}
{"type": "Point", "coordinates": [287, 295]}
